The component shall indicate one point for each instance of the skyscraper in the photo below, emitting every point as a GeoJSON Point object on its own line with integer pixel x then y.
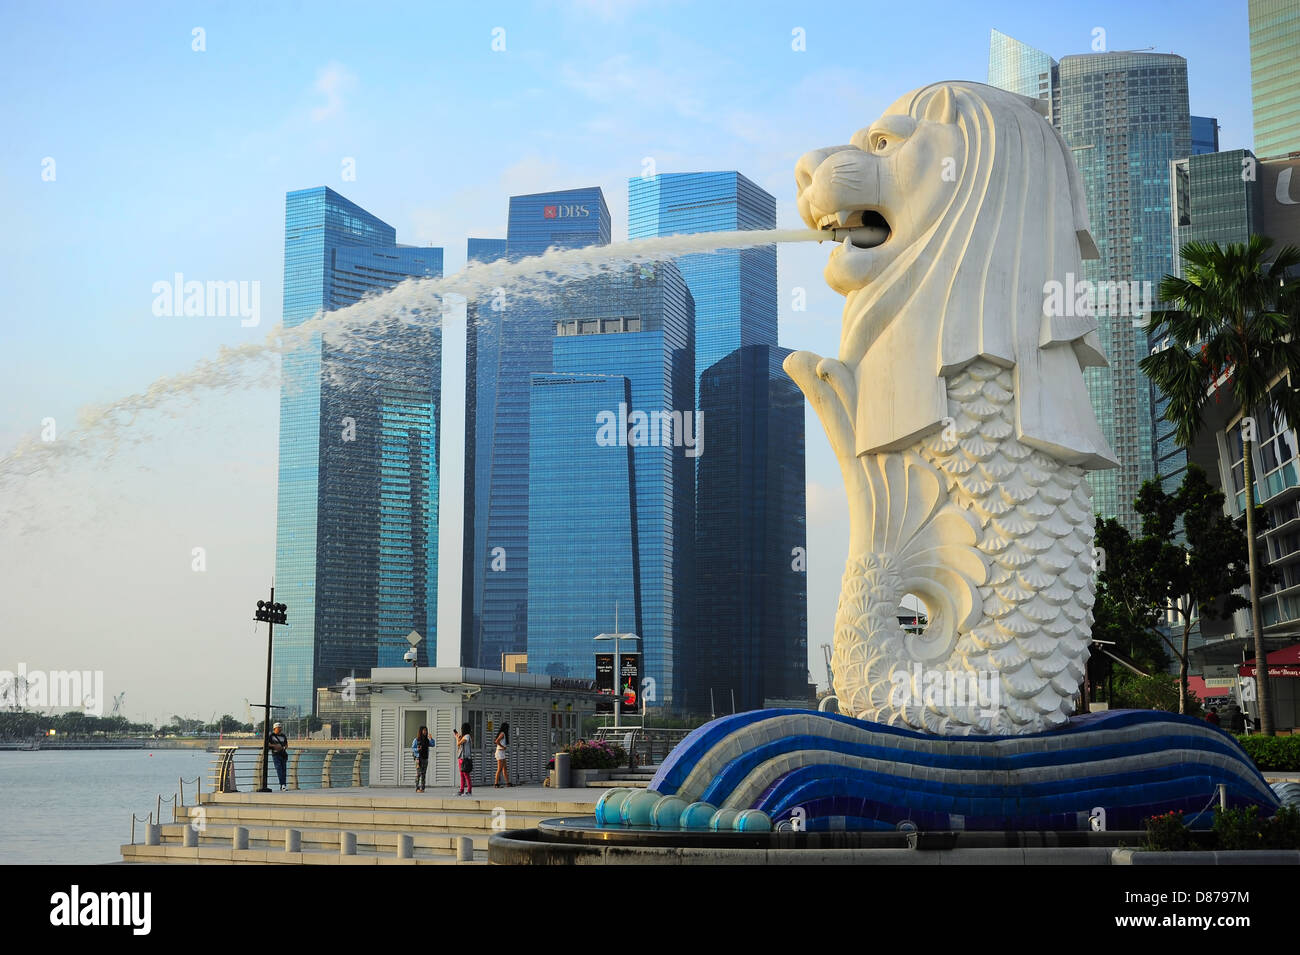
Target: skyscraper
{"type": "Point", "coordinates": [734, 290]}
{"type": "Point", "coordinates": [357, 528]}
{"type": "Point", "coordinates": [1275, 76]}
{"type": "Point", "coordinates": [1215, 197]}
{"type": "Point", "coordinates": [1020, 68]}
{"type": "Point", "coordinates": [1205, 135]}
{"type": "Point", "coordinates": [749, 501]}
{"type": "Point", "coordinates": [612, 442]}
{"type": "Point", "coordinates": [751, 623]}
{"type": "Point", "coordinates": [1125, 117]}
{"type": "Point", "coordinates": [510, 339]}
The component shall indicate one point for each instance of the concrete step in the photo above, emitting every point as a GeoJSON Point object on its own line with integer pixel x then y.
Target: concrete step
{"type": "Point", "coordinates": [619, 782]}
{"type": "Point", "coordinates": [484, 801]}
{"type": "Point", "coordinates": [379, 840]}
{"type": "Point", "coordinates": [270, 855]}
{"type": "Point", "coordinates": [433, 820]}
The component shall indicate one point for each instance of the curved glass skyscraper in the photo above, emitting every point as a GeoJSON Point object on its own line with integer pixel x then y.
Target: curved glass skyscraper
{"type": "Point", "coordinates": [357, 531]}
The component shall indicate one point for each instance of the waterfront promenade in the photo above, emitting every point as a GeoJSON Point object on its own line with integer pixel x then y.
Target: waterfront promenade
{"type": "Point", "coordinates": [443, 828]}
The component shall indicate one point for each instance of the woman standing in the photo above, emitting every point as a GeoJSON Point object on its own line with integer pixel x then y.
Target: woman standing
{"type": "Point", "coordinates": [464, 759]}
{"type": "Point", "coordinates": [420, 750]}
{"type": "Point", "coordinates": [502, 743]}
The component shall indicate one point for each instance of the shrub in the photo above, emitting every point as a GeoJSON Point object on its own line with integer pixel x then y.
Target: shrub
{"type": "Point", "coordinates": [1243, 829]}
{"type": "Point", "coordinates": [1167, 832]}
{"type": "Point", "coordinates": [1238, 828]}
{"type": "Point", "coordinates": [1283, 830]}
{"type": "Point", "coordinates": [597, 754]}
{"type": "Point", "coordinates": [1276, 753]}
{"type": "Point", "coordinates": [1156, 692]}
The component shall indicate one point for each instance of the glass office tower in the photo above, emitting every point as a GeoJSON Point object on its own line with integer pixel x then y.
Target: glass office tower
{"type": "Point", "coordinates": [1205, 135]}
{"type": "Point", "coordinates": [1125, 117]}
{"type": "Point", "coordinates": [751, 623]}
{"type": "Point", "coordinates": [510, 340]}
{"type": "Point", "coordinates": [1020, 68]}
{"type": "Point", "coordinates": [734, 290]}
{"type": "Point", "coordinates": [1275, 75]}
{"type": "Point", "coordinates": [357, 528]}
{"type": "Point", "coordinates": [735, 320]}
{"type": "Point", "coordinates": [1211, 202]}
{"type": "Point", "coordinates": [612, 442]}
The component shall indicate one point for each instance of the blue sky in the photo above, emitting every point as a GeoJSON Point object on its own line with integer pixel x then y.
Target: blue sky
{"type": "Point", "coordinates": [169, 159]}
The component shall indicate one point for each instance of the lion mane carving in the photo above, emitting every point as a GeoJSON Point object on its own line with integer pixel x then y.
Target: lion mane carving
{"type": "Point", "coordinates": [958, 411]}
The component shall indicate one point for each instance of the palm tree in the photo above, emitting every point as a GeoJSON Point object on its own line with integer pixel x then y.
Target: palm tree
{"type": "Point", "coordinates": [1232, 326]}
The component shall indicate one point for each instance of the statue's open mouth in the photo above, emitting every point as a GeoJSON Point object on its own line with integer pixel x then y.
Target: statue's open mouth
{"type": "Point", "coordinates": [864, 228]}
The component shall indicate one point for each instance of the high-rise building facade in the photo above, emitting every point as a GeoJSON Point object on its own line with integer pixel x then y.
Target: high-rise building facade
{"type": "Point", "coordinates": [1275, 76]}
{"type": "Point", "coordinates": [1215, 197]}
{"type": "Point", "coordinates": [751, 623]}
{"type": "Point", "coordinates": [510, 339]}
{"type": "Point", "coordinates": [1205, 135]}
{"type": "Point", "coordinates": [1022, 69]}
{"type": "Point", "coordinates": [741, 507]}
{"type": "Point", "coordinates": [1125, 117]}
{"type": "Point", "coordinates": [357, 527]}
{"type": "Point", "coordinates": [734, 290]}
{"type": "Point", "coordinates": [612, 442]}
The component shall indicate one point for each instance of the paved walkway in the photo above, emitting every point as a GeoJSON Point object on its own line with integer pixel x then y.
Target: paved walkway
{"type": "Point", "coordinates": [364, 794]}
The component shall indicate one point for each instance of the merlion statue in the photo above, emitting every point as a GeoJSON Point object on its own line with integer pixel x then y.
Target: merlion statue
{"type": "Point", "coordinates": [958, 411]}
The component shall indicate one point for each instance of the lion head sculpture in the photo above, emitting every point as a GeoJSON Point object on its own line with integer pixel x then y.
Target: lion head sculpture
{"type": "Point", "coordinates": [963, 203]}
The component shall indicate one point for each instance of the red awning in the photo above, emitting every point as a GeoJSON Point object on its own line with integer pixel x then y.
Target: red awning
{"type": "Point", "coordinates": [1197, 685]}
{"type": "Point", "coordinates": [1284, 662]}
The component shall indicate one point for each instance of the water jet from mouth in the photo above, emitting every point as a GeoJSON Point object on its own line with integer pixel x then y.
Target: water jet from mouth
{"type": "Point", "coordinates": [417, 301]}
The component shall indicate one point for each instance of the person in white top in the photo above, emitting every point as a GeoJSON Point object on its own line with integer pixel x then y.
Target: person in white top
{"type": "Point", "coordinates": [464, 745]}
{"type": "Point", "coordinates": [502, 744]}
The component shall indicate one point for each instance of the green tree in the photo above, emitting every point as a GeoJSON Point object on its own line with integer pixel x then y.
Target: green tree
{"type": "Point", "coordinates": [1160, 583]}
{"type": "Point", "coordinates": [1231, 329]}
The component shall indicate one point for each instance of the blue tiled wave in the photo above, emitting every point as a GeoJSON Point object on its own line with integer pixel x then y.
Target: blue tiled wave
{"type": "Point", "coordinates": [835, 772]}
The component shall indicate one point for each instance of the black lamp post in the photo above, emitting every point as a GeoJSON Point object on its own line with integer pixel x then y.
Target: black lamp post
{"type": "Point", "coordinates": [272, 613]}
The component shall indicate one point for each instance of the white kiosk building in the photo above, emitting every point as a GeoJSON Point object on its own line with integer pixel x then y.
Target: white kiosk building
{"type": "Point", "coordinates": [545, 714]}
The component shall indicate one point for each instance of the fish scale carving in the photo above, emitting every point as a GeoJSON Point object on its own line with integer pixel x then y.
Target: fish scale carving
{"type": "Point", "coordinates": [1030, 640]}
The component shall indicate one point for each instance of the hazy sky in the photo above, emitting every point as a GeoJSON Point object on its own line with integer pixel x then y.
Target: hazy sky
{"type": "Point", "coordinates": [129, 156]}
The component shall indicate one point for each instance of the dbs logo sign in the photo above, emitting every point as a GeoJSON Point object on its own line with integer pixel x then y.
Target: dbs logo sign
{"type": "Point", "coordinates": [565, 212]}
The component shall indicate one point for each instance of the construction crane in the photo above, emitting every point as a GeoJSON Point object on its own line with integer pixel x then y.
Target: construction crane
{"type": "Point", "coordinates": [830, 677]}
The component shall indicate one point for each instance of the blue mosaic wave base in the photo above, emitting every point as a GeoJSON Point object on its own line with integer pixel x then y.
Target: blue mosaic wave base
{"type": "Point", "coordinates": [835, 772]}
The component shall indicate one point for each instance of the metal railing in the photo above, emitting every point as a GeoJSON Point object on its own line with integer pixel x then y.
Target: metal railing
{"type": "Point", "coordinates": [646, 746]}
{"type": "Point", "coordinates": [239, 768]}
{"type": "Point", "coordinates": [176, 800]}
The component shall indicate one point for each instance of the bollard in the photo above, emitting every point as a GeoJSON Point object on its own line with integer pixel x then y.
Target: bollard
{"type": "Point", "coordinates": [292, 840]}
{"type": "Point", "coordinates": [191, 837]}
{"type": "Point", "coordinates": [562, 770]}
{"type": "Point", "coordinates": [405, 846]}
{"type": "Point", "coordinates": [153, 835]}
{"type": "Point", "coordinates": [464, 849]}
{"type": "Point", "coordinates": [347, 843]}
{"type": "Point", "coordinates": [240, 839]}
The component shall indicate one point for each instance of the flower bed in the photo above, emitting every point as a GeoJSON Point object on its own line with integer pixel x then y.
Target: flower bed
{"type": "Point", "coordinates": [597, 754]}
{"type": "Point", "coordinates": [1234, 829]}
